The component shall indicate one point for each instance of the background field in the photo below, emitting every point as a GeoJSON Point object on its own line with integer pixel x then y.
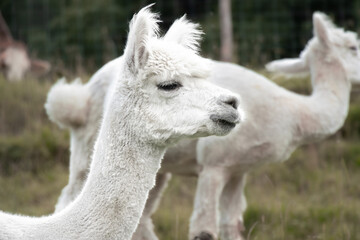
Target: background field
{"type": "Point", "coordinates": [314, 195]}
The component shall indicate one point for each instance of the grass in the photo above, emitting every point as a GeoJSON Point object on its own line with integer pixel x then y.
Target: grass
{"type": "Point", "coordinates": [28, 140]}
{"type": "Point", "coordinates": [308, 197]}
{"type": "Point", "coordinates": [313, 195]}
{"type": "Point", "coordinates": [32, 194]}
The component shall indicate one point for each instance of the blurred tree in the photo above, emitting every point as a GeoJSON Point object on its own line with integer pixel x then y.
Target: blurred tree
{"type": "Point", "coordinates": [226, 31]}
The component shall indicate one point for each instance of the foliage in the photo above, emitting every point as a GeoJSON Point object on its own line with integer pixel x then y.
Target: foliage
{"type": "Point", "coordinates": [86, 34]}
{"type": "Point", "coordinates": [266, 30]}
{"type": "Point", "coordinates": [33, 151]}
{"type": "Point", "coordinates": [32, 194]}
{"type": "Point", "coordinates": [28, 140]}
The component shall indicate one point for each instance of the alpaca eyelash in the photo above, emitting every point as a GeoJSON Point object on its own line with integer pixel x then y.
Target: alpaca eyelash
{"type": "Point", "coordinates": [169, 86]}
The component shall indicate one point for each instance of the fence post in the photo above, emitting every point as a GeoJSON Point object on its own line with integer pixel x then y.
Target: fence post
{"type": "Point", "coordinates": [226, 31]}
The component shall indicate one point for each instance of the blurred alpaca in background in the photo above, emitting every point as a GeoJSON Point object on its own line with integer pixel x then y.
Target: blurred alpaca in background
{"type": "Point", "coordinates": [14, 56]}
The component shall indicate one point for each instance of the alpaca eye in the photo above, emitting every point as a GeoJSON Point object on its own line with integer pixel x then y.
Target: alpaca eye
{"type": "Point", "coordinates": [169, 86]}
{"type": "Point", "coordinates": [353, 48]}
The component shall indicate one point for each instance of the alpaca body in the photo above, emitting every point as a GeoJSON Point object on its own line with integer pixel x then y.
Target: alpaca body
{"type": "Point", "coordinates": [262, 139]}
{"type": "Point", "coordinates": [252, 144]}
{"type": "Point", "coordinates": [143, 115]}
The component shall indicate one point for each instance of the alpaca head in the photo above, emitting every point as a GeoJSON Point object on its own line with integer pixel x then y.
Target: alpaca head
{"type": "Point", "coordinates": [163, 86]}
{"type": "Point", "coordinates": [328, 43]}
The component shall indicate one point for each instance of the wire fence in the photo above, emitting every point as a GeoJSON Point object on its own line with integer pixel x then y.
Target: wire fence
{"type": "Point", "coordinates": [84, 34]}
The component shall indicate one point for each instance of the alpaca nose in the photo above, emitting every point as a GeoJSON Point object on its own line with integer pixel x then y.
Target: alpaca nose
{"type": "Point", "coordinates": [230, 100]}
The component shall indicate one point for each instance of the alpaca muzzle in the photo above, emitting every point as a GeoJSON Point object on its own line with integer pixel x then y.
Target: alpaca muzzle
{"type": "Point", "coordinates": [227, 120]}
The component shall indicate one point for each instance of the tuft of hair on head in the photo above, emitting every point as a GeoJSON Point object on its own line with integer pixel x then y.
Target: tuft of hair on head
{"type": "Point", "coordinates": [142, 28]}
{"type": "Point", "coordinates": [68, 104]}
{"type": "Point", "coordinates": [185, 33]}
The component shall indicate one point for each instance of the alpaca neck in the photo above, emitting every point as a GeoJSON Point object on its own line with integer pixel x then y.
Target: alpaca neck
{"type": "Point", "coordinates": [122, 173]}
{"type": "Point", "coordinates": [327, 108]}
{"type": "Point", "coordinates": [84, 137]}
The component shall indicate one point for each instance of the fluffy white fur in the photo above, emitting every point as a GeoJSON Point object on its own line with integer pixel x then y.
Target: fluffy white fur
{"type": "Point", "coordinates": [67, 105]}
{"type": "Point", "coordinates": [185, 33]}
{"type": "Point", "coordinates": [140, 120]}
{"type": "Point", "coordinates": [278, 121]}
{"type": "Point", "coordinates": [17, 62]}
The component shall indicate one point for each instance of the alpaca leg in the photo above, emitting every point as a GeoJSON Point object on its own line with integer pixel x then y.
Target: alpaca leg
{"type": "Point", "coordinates": [232, 207]}
{"type": "Point", "coordinates": [204, 220]}
{"type": "Point", "coordinates": [145, 229]}
{"type": "Point", "coordinates": [78, 170]}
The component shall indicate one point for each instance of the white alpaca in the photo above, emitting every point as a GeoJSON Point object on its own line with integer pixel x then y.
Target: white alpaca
{"type": "Point", "coordinates": [278, 122]}
{"type": "Point", "coordinates": [80, 107]}
{"type": "Point", "coordinates": [149, 107]}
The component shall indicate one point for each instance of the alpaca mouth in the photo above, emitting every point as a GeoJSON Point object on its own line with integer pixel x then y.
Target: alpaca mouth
{"type": "Point", "coordinates": [227, 121]}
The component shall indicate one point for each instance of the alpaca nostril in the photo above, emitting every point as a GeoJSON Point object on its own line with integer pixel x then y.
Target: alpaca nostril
{"type": "Point", "coordinates": [232, 101]}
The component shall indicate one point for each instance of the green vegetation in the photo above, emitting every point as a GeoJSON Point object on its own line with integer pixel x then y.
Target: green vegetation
{"type": "Point", "coordinates": [87, 33]}
{"type": "Point", "coordinates": [32, 194]}
{"type": "Point", "coordinates": [28, 140]}
{"type": "Point", "coordinates": [315, 195]}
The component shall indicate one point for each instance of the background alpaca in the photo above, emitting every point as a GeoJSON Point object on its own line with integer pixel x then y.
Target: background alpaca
{"type": "Point", "coordinates": [110, 205]}
{"type": "Point", "coordinates": [14, 57]}
{"type": "Point", "coordinates": [79, 108]}
{"type": "Point", "coordinates": [279, 121]}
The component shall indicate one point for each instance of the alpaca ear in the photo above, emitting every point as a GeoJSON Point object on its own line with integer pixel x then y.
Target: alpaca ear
{"type": "Point", "coordinates": [185, 33]}
{"type": "Point", "coordinates": [143, 27]}
{"type": "Point", "coordinates": [321, 29]}
{"type": "Point", "coordinates": [288, 66]}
